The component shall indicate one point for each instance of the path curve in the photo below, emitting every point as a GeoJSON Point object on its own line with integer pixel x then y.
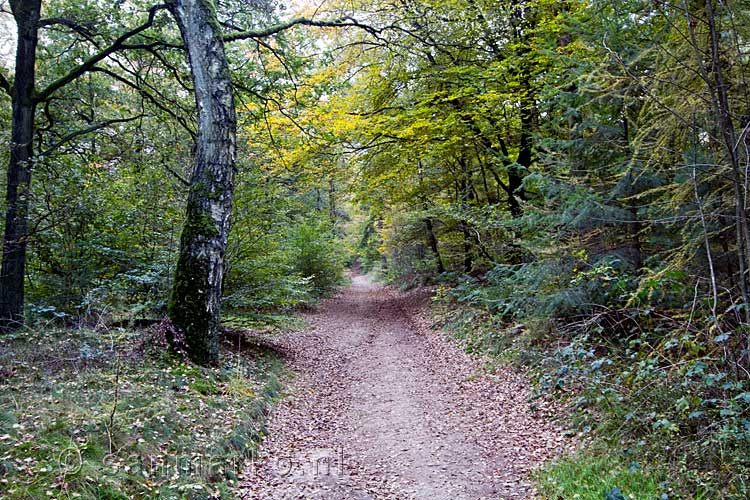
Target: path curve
{"type": "Point", "coordinates": [382, 407]}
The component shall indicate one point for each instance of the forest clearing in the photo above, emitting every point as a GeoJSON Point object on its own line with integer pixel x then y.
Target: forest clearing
{"type": "Point", "coordinates": [398, 249]}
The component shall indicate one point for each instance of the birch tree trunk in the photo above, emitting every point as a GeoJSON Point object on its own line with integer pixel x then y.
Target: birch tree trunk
{"type": "Point", "coordinates": [195, 303]}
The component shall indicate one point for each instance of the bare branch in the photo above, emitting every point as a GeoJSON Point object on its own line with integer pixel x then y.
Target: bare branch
{"type": "Point", "coordinates": [150, 98]}
{"type": "Point", "coordinates": [93, 60]}
{"type": "Point", "coordinates": [345, 22]}
{"type": "Point", "coordinates": [88, 130]}
{"type": "Point", "coordinates": [151, 46]}
{"type": "Point", "coordinates": [176, 175]}
{"type": "Point", "coordinates": [82, 30]}
{"type": "Point", "coordinates": [377, 111]}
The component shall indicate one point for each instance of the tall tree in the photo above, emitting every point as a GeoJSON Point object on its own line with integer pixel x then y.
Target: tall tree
{"type": "Point", "coordinates": [26, 98]}
{"type": "Point", "coordinates": [195, 304]}
{"type": "Point", "coordinates": [26, 14]}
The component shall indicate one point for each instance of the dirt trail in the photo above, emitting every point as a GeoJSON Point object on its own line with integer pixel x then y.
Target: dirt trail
{"type": "Point", "coordinates": [385, 408]}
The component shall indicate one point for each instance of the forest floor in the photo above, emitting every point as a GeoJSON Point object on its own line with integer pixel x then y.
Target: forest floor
{"type": "Point", "coordinates": [383, 407]}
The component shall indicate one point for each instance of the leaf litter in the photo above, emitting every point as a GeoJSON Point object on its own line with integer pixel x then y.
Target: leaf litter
{"type": "Point", "coordinates": [382, 406]}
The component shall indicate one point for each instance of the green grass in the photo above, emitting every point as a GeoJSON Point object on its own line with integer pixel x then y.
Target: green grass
{"type": "Point", "coordinates": [590, 477]}
{"type": "Point", "coordinates": [110, 415]}
{"type": "Point", "coordinates": [263, 321]}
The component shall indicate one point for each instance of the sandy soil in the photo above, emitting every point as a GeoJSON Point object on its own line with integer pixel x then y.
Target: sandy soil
{"type": "Point", "coordinates": [382, 407]}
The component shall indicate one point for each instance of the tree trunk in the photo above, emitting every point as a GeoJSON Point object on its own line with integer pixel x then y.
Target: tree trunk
{"type": "Point", "coordinates": [26, 14]}
{"type": "Point", "coordinates": [517, 172]}
{"type": "Point", "coordinates": [195, 304]}
{"type": "Point", "coordinates": [726, 126]}
{"type": "Point", "coordinates": [433, 241]}
{"type": "Point", "coordinates": [332, 201]}
{"type": "Point", "coordinates": [515, 179]}
{"type": "Point", "coordinates": [383, 256]}
{"type": "Point", "coordinates": [463, 190]}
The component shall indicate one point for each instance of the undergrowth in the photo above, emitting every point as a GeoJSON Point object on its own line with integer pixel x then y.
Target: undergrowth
{"type": "Point", "coordinates": [589, 476]}
{"type": "Point", "coordinates": [111, 415]}
{"type": "Point", "coordinates": [664, 388]}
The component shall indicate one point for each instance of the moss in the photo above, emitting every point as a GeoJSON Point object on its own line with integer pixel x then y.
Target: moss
{"type": "Point", "coordinates": [205, 387]}
{"type": "Point", "coordinates": [187, 308]}
{"type": "Point", "coordinates": [188, 303]}
{"type": "Point", "coordinates": [212, 16]}
{"type": "Point", "coordinates": [202, 191]}
{"type": "Point", "coordinates": [199, 224]}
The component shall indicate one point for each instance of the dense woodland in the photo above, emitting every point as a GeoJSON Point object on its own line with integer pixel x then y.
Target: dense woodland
{"type": "Point", "coordinates": [570, 176]}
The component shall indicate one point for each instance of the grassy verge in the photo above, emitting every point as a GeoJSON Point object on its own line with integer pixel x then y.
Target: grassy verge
{"type": "Point", "coordinates": [587, 476]}
{"type": "Point", "coordinates": [110, 415]}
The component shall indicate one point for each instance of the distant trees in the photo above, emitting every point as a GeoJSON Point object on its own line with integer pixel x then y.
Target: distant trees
{"type": "Point", "coordinates": [449, 121]}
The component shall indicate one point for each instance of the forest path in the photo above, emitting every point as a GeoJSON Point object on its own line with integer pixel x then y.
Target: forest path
{"type": "Point", "coordinates": [382, 407]}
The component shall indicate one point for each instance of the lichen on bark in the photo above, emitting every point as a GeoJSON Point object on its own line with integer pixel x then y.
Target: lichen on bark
{"type": "Point", "coordinates": [188, 309]}
{"type": "Point", "coordinates": [195, 303]}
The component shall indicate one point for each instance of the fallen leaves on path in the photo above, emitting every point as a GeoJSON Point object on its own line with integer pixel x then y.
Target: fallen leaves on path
{"type": "Point", "coordinates": [383, 407]}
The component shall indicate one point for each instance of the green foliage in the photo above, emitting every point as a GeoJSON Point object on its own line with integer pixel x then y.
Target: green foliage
{"type": "Point", "coordinates": [108, 205]}
{"type": "Point", "coordinates": [664, 387]}
{"type": "Point", "coordinates": [279, 255]}
{"type": "Point", "coordinates": [634, 378]}
{"type": "Point", "coordinates": [562, 289]}
{"type": "Point", "coordinates": [317, 256]}
{"type": "Point", "coordinates": [365, 247]}
{"type": "Point", "coordinates": [592, 477]}
{"type": "Point", "coordinates": [410, 260]}
{"type": "Point", "coordinates": [109, 215]}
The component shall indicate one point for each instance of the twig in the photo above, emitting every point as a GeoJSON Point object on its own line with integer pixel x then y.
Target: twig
{"type": "Point", "coordinates": [114, 404]}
